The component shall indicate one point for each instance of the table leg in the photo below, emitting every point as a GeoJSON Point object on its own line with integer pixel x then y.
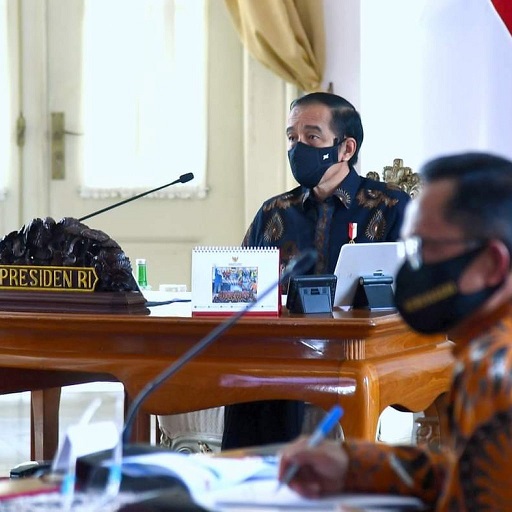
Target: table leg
{"type": "Point", "coordinates": [361, 416]}
{"type": "Point", "coordinates": [44, 423]}
{"type": "Point", "coordinates": [141, 430]}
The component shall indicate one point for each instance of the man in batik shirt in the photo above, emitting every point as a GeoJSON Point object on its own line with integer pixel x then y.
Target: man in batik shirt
{"type": "Point", "coordinates": [457, 279]}
{"type": "Point", "coordinates": [332, 206]}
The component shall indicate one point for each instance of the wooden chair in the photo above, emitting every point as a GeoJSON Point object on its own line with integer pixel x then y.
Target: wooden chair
{"type": "Point", "coordinates": [399, 175]}
{"type": "Point", "coordinates": [201, 431]}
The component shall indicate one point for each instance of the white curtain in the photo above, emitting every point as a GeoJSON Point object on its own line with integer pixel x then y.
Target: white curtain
{"type": "Point", "coordinates": [391, 83]}
{"type": "Point", "coordinates": [467, 103]}
{"type": "Point", "coordinates": [144, 105]}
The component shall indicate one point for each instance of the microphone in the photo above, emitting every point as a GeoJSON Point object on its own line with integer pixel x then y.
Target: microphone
{"type": "Point", "coordinates": [184, 178]}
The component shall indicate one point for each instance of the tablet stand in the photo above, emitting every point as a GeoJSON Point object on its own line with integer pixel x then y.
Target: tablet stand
{"type": "Point", "coordinates": [374, 293]}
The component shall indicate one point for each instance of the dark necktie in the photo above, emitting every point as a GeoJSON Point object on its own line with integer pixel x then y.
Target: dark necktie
{"type": "Point", "coordinates": [322, 238]}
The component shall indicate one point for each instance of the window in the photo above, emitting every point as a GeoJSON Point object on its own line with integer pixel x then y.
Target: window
{"type": "Point", "coordinates": [144, 97]}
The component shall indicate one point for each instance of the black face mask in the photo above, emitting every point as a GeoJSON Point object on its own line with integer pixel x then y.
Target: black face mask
{"type": "Point", "coordinates": [429, 299]}
{"type": "Point", "coordinates": [309, 163]}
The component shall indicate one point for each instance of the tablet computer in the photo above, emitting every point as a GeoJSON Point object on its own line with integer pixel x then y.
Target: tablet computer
{"type": "Point", "coordinates": [366, 259]}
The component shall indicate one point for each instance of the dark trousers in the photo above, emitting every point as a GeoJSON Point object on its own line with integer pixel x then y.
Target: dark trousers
{"type": "Point", "coordinates": [259, 423]}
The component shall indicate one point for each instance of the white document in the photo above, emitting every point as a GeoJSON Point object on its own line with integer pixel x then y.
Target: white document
{"type": "Point", "coordinates": [263, 495]}
{"type": "Point", "coordinates": [250, 483]}
{"type": "Point", "coordinates": [201, 473]}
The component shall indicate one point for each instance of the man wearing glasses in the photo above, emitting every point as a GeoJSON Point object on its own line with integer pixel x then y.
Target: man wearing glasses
{"type": "Point", "coordinates": [456, 279]}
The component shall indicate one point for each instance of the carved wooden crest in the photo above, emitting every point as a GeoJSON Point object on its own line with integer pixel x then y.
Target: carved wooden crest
{"type": "Point", "coordinates": [399, 175]}
{"type": "Point", "coordinates": [45, 263]}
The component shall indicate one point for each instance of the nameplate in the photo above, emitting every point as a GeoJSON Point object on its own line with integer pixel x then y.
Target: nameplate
{"type": "Point", "coordinates": [28, 277]}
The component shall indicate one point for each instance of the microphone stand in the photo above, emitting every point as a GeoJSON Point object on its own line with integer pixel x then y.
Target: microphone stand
{"type": "Point", "coordinates": [184, 178]}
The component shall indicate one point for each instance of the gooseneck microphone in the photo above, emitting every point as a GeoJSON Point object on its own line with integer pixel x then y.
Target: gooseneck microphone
{"type": "Point", "coordinates": [299, 266]}
{"type": "Point", "coordinates": [184, 178]}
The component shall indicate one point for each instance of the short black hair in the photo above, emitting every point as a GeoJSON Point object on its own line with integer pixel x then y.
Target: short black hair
{"type": "Point", "coordinates": [345, 119]}
{"type": "Point", "coordinates": [482, 202]}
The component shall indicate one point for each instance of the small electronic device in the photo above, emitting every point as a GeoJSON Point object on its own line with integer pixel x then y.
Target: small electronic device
{"type": "Point", "coordinates": [311, 294]}
{"type": "Point", "coordinates": [31, 468]}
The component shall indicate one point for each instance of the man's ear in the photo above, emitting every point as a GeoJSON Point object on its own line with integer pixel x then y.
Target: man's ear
{"type": "Point", "coordinates": [497, 263]}
{"type": "Point", "coordinates": [490, 268]}
{"type": "Point", "coordinates": [347, 149]}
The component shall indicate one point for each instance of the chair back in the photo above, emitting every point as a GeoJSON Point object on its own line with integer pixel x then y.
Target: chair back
{"type": "Point", "coordinates": [400, 176]}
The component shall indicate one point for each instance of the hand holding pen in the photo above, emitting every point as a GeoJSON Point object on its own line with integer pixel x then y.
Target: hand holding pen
{"type": "Point", "coordinates": [321, 465]}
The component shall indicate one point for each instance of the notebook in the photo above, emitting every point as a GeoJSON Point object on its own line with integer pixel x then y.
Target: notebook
{"type": "Point", "coordinates": [364, 259]}
{"type": "Point", "coordinates": [248, 484]}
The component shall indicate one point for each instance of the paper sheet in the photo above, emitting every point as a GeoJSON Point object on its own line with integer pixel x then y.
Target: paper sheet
{"type": "Point", "coordinates": [230, 484]}
{"type": "Point", "coordinates": [263, 494]}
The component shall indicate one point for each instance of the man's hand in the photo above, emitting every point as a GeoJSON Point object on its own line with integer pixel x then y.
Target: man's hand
{"type": "Point", "coordinates": [322, 470]}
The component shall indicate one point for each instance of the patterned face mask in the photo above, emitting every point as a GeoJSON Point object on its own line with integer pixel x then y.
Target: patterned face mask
{"type": "Point", "coordinates": [309, 164]}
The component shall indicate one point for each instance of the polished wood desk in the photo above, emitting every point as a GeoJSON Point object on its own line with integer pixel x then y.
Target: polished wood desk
{"type": "Point", "coordinates": [364, 361]}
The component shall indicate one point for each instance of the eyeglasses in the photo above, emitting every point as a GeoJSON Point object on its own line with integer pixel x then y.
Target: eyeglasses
{"type": "Point", "coordinates": [412, 248]}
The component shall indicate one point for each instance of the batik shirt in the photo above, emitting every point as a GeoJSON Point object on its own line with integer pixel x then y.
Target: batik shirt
{"type": "Point", "coordinates": [472, 472]}
{"type": "Point", "coordinates": [295, 221]}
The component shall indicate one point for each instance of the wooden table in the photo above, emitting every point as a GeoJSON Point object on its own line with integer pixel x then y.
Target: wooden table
{"type": "Point", "coordinates": [364, 361]}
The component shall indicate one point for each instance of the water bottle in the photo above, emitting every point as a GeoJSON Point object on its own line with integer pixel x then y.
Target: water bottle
{"type": "Point", "coordinates": [142, 274]}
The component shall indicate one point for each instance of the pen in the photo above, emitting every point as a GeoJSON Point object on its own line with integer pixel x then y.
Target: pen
{"type": "Point", "coordinates": [320, 433]}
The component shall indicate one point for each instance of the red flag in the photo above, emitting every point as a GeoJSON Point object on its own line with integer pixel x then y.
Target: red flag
{"type": "Point", "coordinates": [504, 8]}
